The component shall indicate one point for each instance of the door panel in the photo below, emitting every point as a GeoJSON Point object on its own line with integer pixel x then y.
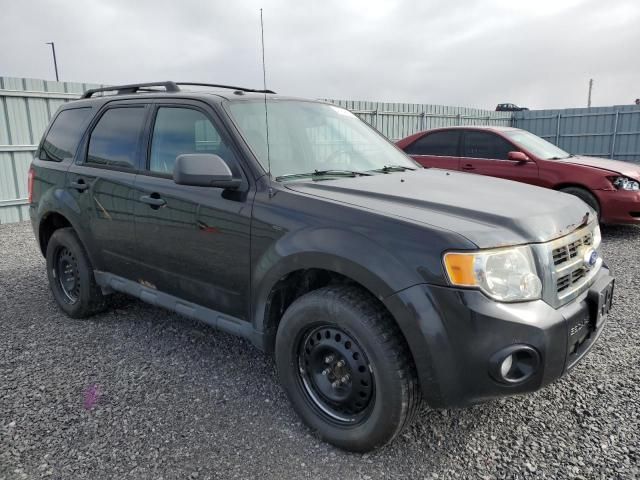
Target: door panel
{"type": "Point", "coordinates": [433, 161]}
{"type": "Point", "coordinates": [194, 241]}
{"type": "Point", "coordinates": [102, 183]}
{"type": "Point", "coordinates": [107, 210]}
{"type": "Point", "coordinates": [195, 245]}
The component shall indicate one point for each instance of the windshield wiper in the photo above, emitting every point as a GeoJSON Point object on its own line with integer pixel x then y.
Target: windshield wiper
{"type": "Point", "coordinates": [392, 168]}
{"type": "Point", "coordinates": [324, 173]}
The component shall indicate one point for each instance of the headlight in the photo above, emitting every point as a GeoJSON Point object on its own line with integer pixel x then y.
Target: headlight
{"type": "Point", "coordinates": [624, 183]}
{"type": "Point", "coordinates": [504, 274]}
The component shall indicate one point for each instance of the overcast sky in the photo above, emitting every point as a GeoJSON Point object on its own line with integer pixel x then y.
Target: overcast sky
{"type": "Point", "coordinates": [454, 52]}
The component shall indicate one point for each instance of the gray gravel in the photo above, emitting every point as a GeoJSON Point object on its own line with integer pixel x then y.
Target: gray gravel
{"type": "Point", "coordinates": [141, 393]}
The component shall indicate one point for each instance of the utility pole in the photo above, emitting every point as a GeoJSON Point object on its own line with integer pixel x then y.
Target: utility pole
{"type": "Point", "coordinates": [590, 88]}
{"type": "Point", "coordinates": [55, 62]}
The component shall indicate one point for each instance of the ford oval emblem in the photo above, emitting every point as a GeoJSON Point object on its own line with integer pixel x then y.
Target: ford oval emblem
{"type": "Point", "coordinates": [590, 258]}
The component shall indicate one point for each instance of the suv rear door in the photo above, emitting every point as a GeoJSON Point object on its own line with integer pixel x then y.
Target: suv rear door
{"type": "Point", "coordinates": [192, 242]}
{"type": "Point", "coordinates": [439, 149]}
{"type": "Point", "coordinates": [487, 153]}
{"type": "Point", "coordinates": [102, 179]}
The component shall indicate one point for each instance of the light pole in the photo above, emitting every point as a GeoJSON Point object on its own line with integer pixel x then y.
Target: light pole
{"type": "Point", "coordinates": [55, 62]}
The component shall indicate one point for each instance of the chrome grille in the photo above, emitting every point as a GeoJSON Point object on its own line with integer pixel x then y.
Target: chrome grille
{"type": "Point", "coordinates": [565, 275]}
{"type": "Point", "coordinates": [567, 252]}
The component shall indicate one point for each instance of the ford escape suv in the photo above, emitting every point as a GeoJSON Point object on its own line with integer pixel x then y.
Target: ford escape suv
{"type": "Point", "coordinates": [374, 283]}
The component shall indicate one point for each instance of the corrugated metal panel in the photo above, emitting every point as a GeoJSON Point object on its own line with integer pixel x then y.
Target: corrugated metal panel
{"type": "Point", "coordinates": [399, 120]}
{"type": "Point", "coordinates": [612, 132]}
{"type": "Point", "coordinates": [26, 105]}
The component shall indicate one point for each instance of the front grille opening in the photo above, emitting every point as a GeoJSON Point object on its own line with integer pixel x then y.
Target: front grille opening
{"type": "Point", "coordinates": [569, 252]}
{"type": "Point", "coordinates": [635, 214]}
{"type": "Point", "coordinates": [560, 255]}
{"type": "Point", "coordinates": [567, 281]}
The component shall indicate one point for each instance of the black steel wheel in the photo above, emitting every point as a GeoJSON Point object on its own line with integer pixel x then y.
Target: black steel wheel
{"type": "Point", "coordinates": [335, 373]}
{"type": "Point", "coordinates": [346, 367]}
{"type": "Point", "coordinates": [65, 271]}
{"type": "Point", "coordinates": [71, 275]}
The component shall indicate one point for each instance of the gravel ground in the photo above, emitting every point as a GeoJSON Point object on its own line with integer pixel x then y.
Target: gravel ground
{"type": "Point", "coordinates": [141, 393]}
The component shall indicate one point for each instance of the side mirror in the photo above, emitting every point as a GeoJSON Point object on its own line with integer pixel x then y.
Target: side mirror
{"type": "Point", "coordinates": [203, 170]}
{"type": "Point", "coordinates": [518, 157]}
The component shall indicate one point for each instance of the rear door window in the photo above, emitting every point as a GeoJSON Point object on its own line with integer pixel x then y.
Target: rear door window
{"type": "Point", "coordinates": [478, 144]}
{"type": "Point", "coordinates": [441, 144]}
{"type": "Point", "coordinates": [64, 135]}
{"type": "Point", "coordinates": [115, 140]}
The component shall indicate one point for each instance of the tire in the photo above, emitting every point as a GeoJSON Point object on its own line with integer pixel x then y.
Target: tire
{"type": "Point", "coordinates": [586, 196]}
{"type": "Point", "coordinates": [345, 323]}
{"type": "Point", "coordinates": [71, 276]}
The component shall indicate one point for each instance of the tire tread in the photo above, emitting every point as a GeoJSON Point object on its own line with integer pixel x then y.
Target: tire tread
{"type": "Point", "coordinates": [391, 339]}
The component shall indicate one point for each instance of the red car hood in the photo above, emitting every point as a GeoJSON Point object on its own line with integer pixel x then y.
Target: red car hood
{"type": "Point", "coordinates": [627, 169]}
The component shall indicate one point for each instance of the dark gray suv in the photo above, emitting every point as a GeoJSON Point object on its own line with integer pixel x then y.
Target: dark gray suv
{"type": "Point", "coordinates": [375, 283]}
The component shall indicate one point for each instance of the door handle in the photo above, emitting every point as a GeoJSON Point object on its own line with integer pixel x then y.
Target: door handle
{"type": "Point", "coordinates": [468, 166]}
{"type": "Point", "coordinates": [153, 200]}
{"type": "Point", "coordinates": [80, 185]}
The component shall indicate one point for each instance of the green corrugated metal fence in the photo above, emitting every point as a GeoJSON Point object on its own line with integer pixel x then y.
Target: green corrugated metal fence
{"type": "Point", "coordinates": [26, 105]}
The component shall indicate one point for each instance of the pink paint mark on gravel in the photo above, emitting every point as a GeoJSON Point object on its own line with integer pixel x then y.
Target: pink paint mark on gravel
{"type": "Point", "coordinates": [91, 396]}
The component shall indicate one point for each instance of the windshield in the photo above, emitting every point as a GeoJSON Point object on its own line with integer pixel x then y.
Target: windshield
{"type": "Point", "coordinates": [536, 145]}
{"type": "Point", "coordinates": [308, 137]}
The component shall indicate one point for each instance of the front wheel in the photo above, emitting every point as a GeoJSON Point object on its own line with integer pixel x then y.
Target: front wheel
{"type": "Point", "coordinates": [586, 196]}
{"type": "Point", "coordinates": [346, 368]}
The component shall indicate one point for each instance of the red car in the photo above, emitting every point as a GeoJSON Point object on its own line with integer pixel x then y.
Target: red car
{"type": "Point", "coordinates": [610, 187]}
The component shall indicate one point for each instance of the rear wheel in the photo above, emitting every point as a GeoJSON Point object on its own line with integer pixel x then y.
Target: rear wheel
{"type": "Point", "coordinates": [346, 368]}
{"type": "Point", "coordinates": [584, 195]}
{"type": "Point", "coordinates": [71, 277]}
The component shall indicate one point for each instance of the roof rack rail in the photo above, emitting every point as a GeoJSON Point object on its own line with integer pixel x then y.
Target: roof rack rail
{"type": "Point", "coordinates": [133, 88]}
{"type": "Point", "coordinates": [215, 85]}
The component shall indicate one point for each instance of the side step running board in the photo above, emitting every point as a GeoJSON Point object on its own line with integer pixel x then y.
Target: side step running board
{"type": "Point", "coordinates": [241, 328]}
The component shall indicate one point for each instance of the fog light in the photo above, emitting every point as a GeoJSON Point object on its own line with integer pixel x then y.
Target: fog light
{"type": "Point", "coordinates": [505, 366]}
{"type": "Point", "coordinates": [514, 364]}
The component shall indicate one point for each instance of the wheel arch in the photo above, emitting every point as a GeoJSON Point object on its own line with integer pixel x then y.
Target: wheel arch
{"type": "Point", "coordinates": [54, 220]}
{"type": "Point", "coordinates": [590, 191]}
{"type": "Point", "coordinates": [292, 284]}
{"type": "Point", "coordinates": [49, 223]}
{"type": "Point", "coordinates": [301, 281]}
{"type": "Point", "coordinates": [563, 185]}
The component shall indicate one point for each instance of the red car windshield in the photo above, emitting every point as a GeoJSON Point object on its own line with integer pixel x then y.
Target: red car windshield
{"type": "Point", "coordinates": [536, 145]}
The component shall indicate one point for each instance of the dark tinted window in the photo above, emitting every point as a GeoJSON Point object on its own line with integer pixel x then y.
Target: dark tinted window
{"type": "Point", "coordinates": [184, 130]}
{"type": "Point", "coordinates": [114, 140]}
{"type": "Point", "coordinates": [443, 144]}
{"type": "Point", "coordinates": [486, 145]}
{"type": "Point", "coordinates": [64, 135]}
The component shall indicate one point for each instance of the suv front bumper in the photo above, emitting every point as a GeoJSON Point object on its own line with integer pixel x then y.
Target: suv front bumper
{"type": "Point", "coordinates": [456, 337]}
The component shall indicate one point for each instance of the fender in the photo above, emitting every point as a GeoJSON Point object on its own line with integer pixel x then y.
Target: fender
{"type": "Point", "coordinates": [61, 202]}
{"type": "Point", "coordinates": [344, 252]}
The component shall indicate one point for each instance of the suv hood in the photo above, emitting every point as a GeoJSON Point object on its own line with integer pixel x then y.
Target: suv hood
{"type": "Point", "coordinates": [489, 212]}
{"type": "Point", "coordinates": [623, 168]}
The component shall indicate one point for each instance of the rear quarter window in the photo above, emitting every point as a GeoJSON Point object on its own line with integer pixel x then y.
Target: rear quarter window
{"type": "Point", "coordinates": [62, 139]}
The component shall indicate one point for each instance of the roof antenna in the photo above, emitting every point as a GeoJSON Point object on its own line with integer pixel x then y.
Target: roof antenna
{"type": "Point", "coordinates": [266, 112]}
